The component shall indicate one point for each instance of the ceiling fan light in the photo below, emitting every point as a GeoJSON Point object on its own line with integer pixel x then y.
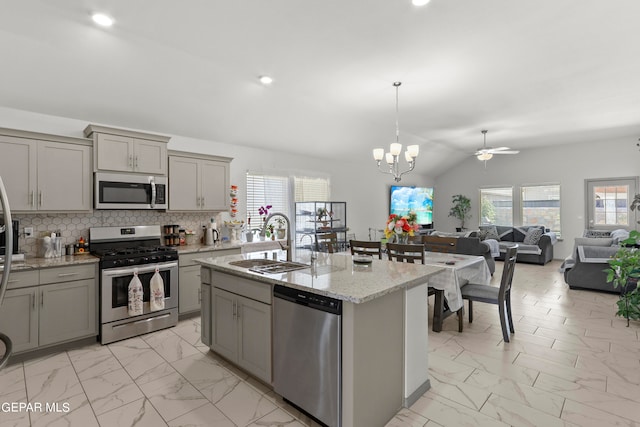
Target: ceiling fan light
{"type": "Point", "coordinates": [485, 156]}
{"type": "Point", "coordinates": [378, 154]}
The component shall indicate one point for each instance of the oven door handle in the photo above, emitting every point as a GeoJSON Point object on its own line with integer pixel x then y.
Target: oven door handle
{"type": "Point", "coordinates": [146, 269]}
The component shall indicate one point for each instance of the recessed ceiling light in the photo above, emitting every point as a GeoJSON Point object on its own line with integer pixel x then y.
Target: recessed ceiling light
{"type": "Point", "coordinates": [266, 80]}
{"type": "Point", "coordinates": [102, 19]}
{"type": "Point", "coordinates": [419, 2]}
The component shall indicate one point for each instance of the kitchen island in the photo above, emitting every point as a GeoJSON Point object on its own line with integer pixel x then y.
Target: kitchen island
{"type": "Point", "coordinates": [384, 325]}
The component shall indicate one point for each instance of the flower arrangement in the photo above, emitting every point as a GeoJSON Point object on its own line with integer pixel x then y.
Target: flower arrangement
{"type": "Point", "coordinates": [401, 225]}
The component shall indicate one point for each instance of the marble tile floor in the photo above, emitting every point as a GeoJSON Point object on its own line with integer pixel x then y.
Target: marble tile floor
{"type": "Point", "coordinates": [572, 362]}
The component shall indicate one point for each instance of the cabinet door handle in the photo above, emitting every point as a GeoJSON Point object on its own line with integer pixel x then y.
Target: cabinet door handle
{"type": "Point", "coordinates": [203, 202]}
{"type": "Point", "coordinates": [67, 274]}
{"type": "Point", "coordinates": [136, 164]}
{"type": "Point", "coordinates": [33, 300]}
{"type": "Point", "coordinates": [130, 161]}
{"type": "Point", "coordinates": [234, 309]}
{"type": "Point", "coordinates": [41, 298]}
{"type": "Point", "coordinates": [33, 198]}
{"type": "Point", "coordinates": [199, 295]}
{"type": "Point", "coordinates": [40, 198]}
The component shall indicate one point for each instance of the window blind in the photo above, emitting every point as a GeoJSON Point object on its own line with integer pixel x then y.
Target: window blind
{"type": "Point", "coordinates": [311, 189]}
{"type": "Point", "coordinates": [263, 190]}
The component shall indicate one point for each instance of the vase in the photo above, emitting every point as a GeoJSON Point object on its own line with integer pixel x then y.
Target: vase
{"type": "Point", "coordinates": [402, 238]}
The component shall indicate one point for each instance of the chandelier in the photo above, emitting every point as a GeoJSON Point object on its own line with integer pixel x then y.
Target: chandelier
{"type": "Point", "coordinates": [392, 157]}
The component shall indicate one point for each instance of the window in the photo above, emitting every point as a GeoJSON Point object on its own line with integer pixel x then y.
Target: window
{"type": "Point", "coordinates": [608, 202]}
{"type": "Point", "coordinates": [275, 190]}
{"type": "Point", "coordinates": [496, 206]}
{"type": "Point", "coordinates": [263, 190]}
{"type": "Point", "coordinates": [541, 206]}
{"type": "Point", "coordinates": [311, 189]}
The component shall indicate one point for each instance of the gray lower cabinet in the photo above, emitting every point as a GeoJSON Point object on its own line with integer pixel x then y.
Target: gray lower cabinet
{"type": "Point", "coordinates": [67, 311]}
{"type": "Point", "coordinates": [19, 318]}
{"type": "Point", "coordinates": [190, 295]}
{"type": "Point", "coordinates": [241, 326]}
{"type": "Point", "coordinates": [50, 306]}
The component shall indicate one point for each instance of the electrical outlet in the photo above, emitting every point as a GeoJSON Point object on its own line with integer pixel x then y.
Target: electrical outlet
{"type": "Point", "coordinates": [28, 232]}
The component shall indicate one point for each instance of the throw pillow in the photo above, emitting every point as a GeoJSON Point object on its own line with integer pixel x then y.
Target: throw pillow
{"type": "Point", "coordinates": [619, 235]}
{"type": "Point", "coordinates": [489, 232]}
{"type": "Point", "coordinates": [532, 237]}
{"type": "Point", "coordinates": [596, 233]}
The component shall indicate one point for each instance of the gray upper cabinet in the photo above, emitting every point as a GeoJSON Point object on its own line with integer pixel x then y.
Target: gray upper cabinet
{"type": "Point", "coordinates": [198, 182]}
{"type": "Point", "coordinates": [46, 172]}
{"type": "Point", "coordinates": [128, 151]}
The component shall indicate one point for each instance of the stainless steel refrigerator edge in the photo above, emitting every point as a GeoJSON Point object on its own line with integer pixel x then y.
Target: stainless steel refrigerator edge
{"type": "Point", "coordinates": [6, 211]}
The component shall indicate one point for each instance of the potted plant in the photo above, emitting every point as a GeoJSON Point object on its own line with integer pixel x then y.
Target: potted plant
{"type": "Point", "coordinates": [269, 231]}
{"type": "Point", "coordinates": [624, 270]}
{"type": "Point", "coordinates": [280, 231]}
{"type": "Point", "coordinates": [460, 209]}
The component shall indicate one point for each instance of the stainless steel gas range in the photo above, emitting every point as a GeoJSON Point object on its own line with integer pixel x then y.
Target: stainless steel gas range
{"type": "Point", "coordinates": [123, 251]}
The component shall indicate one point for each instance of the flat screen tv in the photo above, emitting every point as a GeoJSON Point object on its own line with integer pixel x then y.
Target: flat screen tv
{"type": "Point", "coordinates": [418, 199]}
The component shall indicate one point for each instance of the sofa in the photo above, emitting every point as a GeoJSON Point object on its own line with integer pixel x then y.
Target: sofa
{"type": "Point", "coordinates": [465, 246]}
{"type": "Point", "coordinates": [585, 268]}
{"type": "Point", "coordinates": [535, 242]}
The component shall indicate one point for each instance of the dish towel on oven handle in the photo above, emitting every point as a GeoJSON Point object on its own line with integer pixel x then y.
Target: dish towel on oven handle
{"type": "Point", "coordinates": [136, 307]}
{"type": "Point", "coordinates": [156, 300]}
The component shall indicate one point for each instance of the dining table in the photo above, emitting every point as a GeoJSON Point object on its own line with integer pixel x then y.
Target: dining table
{"type": "Point", "coordinates": [459, 269]}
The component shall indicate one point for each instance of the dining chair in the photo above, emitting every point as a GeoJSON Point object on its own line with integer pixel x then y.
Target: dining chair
{"type": "Point", "coordinates": [405, 252]}
{"type": "Point", "coordinates": [328, 241]}
{"type": "Point", "coordinates": [496, 295]}
{"type": "Point", "coordinates": [440, 244]}
{"type": "Point", "coordinates": [411, 254]}
{"type": "Point", "coordinates": [365, 247]}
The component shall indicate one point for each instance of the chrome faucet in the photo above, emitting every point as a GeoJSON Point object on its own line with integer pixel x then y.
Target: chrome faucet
{"type": "Point", "coordinates": [287, 246]}
{"type": "Point", "coordinates": [311, 245]}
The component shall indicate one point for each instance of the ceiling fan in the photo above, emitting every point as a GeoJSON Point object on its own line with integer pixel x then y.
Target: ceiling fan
{"type": "Point", "coordinates": [486, 153]}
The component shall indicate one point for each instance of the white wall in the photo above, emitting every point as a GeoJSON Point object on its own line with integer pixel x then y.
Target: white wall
{"type": "Point", "coordinates": [567, 165]}
{"type": "Point", "coordinates": [365, 190]}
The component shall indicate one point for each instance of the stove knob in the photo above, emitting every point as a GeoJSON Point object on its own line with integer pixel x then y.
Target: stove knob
{"type": "Point", "coordinates": [145, 260]}
{"type": "Point", "coordinates": [116, 262]}
{"type": "Point", "coordinates": [154, 258]}
{"type": "Point", "coordinates": [131, 261]}
{"type": "Point", "coordinates": [168, 257]}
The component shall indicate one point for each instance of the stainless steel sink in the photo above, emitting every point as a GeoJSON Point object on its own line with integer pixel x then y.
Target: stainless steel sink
{"type": "Point", "coordinates": [267, 266]}
{"type": "Point", "coordinates": [250, 263]}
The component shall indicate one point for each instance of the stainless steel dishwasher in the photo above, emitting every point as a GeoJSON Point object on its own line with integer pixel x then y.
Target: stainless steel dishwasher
{"type": "Point", "coordinates": [307, 365]}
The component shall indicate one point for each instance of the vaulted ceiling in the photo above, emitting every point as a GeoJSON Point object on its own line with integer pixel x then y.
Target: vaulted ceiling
{"type": "Point", "coordinates": [535, 73]}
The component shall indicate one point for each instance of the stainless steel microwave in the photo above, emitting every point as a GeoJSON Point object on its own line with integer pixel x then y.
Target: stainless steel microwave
{"type": "Point", "coordinates": [130, 191]}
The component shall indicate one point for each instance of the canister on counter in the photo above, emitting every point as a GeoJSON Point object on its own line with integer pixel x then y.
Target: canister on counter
{"type": "Point", "coordinates": [182, 237]}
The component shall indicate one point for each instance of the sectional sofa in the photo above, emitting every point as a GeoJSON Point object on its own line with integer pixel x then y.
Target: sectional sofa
{"type": "Point", "coordinates": [535, 242]}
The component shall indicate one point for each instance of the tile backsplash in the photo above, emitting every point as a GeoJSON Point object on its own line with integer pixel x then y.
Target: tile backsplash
{"type": "Point", "coordinates": [72, 226]}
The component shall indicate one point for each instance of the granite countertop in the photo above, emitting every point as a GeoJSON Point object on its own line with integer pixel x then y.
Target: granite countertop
{"type": "Point", "coordinates": [335, 275]}
{"type": "Point", "coordinates": [189, 249]}
{"type": "Point", "coordinates": [35, 263]}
